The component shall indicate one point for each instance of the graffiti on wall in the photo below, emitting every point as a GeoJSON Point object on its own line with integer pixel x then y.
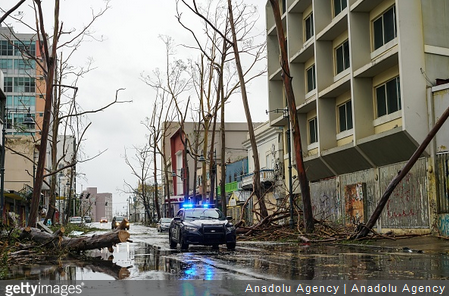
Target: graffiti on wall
{"type": "Point", "coordinates": [399, 205]}
{"type": "Point", "coordinates": [407, 206]}
{"type": "Point", "coordinates": [326, 202]}
{"type": "Point", "coordinates": [443, 224]}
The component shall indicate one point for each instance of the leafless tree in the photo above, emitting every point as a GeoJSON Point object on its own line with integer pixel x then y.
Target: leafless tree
{"type": "Point", "coordinates": [221, 77]}
{"type": "Point", "coordinates": [142, 171]}
{"type": "Point", "coordinates": [287, 80]}
{"type": "Point", "coordinates": [170, 86]}
{"type": "Point", "coordinates": [51, 46]}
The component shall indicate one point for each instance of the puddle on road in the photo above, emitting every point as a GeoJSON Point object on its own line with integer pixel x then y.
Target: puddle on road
{"type": "Point", "coordinates": [142, 261]}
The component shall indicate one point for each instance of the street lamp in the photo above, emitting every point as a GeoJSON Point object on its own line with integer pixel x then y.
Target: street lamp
{"type": "Point", "coordinates": [59, 196]}
{"type": "Point", "coordinates": [290, 179]}
{"type": "Point", "coordinates": [29, 123]}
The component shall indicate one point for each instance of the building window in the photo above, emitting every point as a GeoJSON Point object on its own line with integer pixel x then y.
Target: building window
{"type": "Point", "coordinates": [7, 84]}
{"type": "Point", "coordinates": [25, 48]}
{"type": "Point", "coordinates": [388, 96]}
{"type": "Point", "coordinates": [311, 85]}
{"type": "Point", "coordinates": [284, 6]}
{"type": "Point", "coordinates": [6, 48]}
{"type": "Point", "coordinates": [268, 161]}
{"type": "Point", "coordinates": [24, 66]}
{"type": "Point", "coordinates": [24, 84]}
{"type": "Point", "coordinates": [5, 64]}
{"type": "Point", "coordinates": [20, 101]}
{"type": "Point", "coordinates": [309, 26]}
{"type": "Point", "coordinates": [342, 57]}
{"type": "Point", "coordinates": [339, 5]}
{"type": "Point", "coordinates": [384, 28]}
{"type": "Point", "coordinates": [313, 131]}
{"type": "Point", "coordinates": [345, 116]}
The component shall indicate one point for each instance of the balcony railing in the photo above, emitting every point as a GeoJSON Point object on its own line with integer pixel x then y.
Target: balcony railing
{"type": "Point", "coordinates": [266, 176]}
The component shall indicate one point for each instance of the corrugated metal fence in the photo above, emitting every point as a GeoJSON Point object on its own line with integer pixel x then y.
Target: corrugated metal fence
{"type": "Point", "coordinates": [442, 172]}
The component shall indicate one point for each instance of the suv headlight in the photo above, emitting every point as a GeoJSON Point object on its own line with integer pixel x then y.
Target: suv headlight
{"type": "Point", "coordinates": [230, 228]}
{"type": "Point", "coordinates": [190, 228]}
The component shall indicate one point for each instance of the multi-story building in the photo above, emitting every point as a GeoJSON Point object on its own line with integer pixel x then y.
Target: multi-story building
{"type": "Point", "coordinates": [65, 155]}
{"type": "Point", "coordinates": [23, 87]}
{"type": "Point", "coordinates": [183, 166]}
{"type": "Point", "coordinates": [270, 148]}
{"type": "Point", "coordinates": [97, 205]}
{"type": "Point", "coordinates": [23, 84]}
{"type": "Point", "coordinates": [361, 73]}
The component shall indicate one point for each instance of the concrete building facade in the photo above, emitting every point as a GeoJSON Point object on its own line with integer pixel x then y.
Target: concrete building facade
{"type": "Point", "coordinates": [97, 205]}
{"type": "Point", "coordinates": [24, 89]}
{"type": "Point", "coordinates": [363, 72]}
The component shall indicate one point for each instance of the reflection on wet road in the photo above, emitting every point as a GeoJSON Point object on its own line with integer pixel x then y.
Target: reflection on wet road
{"type": "Point", "coordinates": [148, 257]}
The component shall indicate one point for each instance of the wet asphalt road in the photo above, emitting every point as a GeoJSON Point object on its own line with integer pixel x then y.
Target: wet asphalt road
{"type": "Point", "coordinates": [148, 257]}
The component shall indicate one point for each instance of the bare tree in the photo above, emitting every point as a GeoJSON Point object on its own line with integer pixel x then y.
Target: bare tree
{"type": "Point", "coordinates": [287, 80]}
{"type": "Point", "coordinates": [257, 186]}
{"type": "Point", "coordinates": [216, 49]}
{"type": "Point", "coordinates": [50, 44]}
{"type": "Point", "coordinates": [170, 85]}
{"type": "Point", "coordinates": [157, 125]}
{"type": "Point", "coordinates": [142, 172]}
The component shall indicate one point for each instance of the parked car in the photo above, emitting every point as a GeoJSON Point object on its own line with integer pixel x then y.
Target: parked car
{"type": "Point", "coordinates": [87, 219]}
{"type": "Point", "coordinates": [103, 220]}
{"type": "Point", "coordinates": [201, 226]}
{"type": "Point", "coordinates": [163, 224]}
{"type": "Point", "coordinates": [75, 220]}
{"type": "Point", "coordinates": [117, 220]}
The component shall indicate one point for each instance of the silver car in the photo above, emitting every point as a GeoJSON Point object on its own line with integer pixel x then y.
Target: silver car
{"type": "Point", "coordinates": [163, 224]}
{"type": "Point", "coordinates": [76, 220]}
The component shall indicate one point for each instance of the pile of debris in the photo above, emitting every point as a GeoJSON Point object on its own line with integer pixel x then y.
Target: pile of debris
{"type": "Point", "coordinates": [36, 244]}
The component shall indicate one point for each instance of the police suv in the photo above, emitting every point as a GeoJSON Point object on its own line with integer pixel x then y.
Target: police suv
{"type": "Point", "coordinates": [201, 225]}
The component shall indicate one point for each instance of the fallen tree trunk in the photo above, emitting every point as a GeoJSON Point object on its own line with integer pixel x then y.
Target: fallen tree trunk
{"type": "Point", "coordinates": [95, 242]}
{"type": "Point", "coordinates": [106, 240]}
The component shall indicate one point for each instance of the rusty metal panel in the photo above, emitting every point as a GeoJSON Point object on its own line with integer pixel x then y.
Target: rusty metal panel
{"type": "Point", "coordinates": [354, 204]}
{"type": "Point", "coordinates": [408, 205]}
{"type": "Point", "coordinates": [367, 177]}
{"type": "Point", "coordinates": [326, 203]}
{"type": "Point", "coordinates": [442, 176]}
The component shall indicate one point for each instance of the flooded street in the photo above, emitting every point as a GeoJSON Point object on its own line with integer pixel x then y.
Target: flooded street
{"type": "Point", "coordinates": [148, 257]}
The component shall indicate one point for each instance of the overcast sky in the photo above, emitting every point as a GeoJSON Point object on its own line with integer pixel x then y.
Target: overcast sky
{"type": "Point", "coordinates": [131, 46]}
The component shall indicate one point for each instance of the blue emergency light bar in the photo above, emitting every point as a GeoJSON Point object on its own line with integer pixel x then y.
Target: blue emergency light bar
{"type": "Point", "coordinates": [188, 205]}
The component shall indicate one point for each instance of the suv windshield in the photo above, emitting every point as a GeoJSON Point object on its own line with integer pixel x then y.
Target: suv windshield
{"type": "Point", "coordinates": [118, 219]}
{"type": "Point", "coordinates": [195, 214]}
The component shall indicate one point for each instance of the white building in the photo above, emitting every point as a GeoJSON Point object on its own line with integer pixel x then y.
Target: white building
{"type": "Point", "coordinates": [361, 72]}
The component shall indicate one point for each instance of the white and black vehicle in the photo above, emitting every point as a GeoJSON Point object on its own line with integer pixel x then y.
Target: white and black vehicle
{"type": "Point", "coordinates": [201, 226]}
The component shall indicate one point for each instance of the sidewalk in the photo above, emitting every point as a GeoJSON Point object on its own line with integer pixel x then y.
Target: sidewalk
{"type": "Point", "coordinates": [421, 244]}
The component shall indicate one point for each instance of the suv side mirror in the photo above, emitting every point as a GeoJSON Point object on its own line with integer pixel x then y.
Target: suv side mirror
{"type": "Point", "coordinates": [228, 218]}
{"type": "Point", "coordinates": [177, 219]}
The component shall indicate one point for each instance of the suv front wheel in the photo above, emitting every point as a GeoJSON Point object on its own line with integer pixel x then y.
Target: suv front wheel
{"type": "Point", "coordinates": [184, 246]}
{"type": "Point", "coordinates": [230, 246]}
{"type": "Point", "coordinates": [172, 243]}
